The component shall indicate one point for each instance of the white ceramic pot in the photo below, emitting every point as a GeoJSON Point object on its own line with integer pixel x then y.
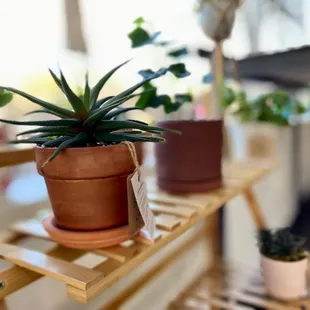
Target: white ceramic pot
{"type": "Point", "coordinates": [285, 280]}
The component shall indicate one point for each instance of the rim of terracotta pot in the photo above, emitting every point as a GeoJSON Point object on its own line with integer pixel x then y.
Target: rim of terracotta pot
{"type": "Point", "coordinates": [86, 162]}
{"type": "Point", "coordinates": [285, 262]}
{"type": "Point", "coordinates": [69, 149]}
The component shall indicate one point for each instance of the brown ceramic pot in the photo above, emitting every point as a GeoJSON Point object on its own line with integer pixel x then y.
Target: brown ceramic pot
{"type": "Point", "coordinates": [190, 162]}
{"type": "Point", "coordinates": [88, 186]}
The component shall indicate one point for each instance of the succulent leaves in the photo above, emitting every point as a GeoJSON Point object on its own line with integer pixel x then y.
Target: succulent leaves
{"type": "Point", "coordinates": [281, 244]}
{"type": "Point", "coordinates": [90, 121]}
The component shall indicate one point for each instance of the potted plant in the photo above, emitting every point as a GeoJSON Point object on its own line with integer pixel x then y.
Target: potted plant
{"type": "Point", "coordinates": [81, 156]}
{"type": "Point", "coordinates": [284, 263]}
{"type": "Point", "coordinates": [190, 162]}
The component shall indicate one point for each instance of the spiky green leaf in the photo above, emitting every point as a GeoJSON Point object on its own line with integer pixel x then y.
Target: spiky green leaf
{"type": "Point", "coordinates": [58, 122]}
{"type": "Point", "coordinates": [43, 111]}
{"type": "Point", "coordinates": [58, 129]}
{"type": "Point", "coordinates": [97, 88]}
{"type": "Point", "coordinates": [75, 101]}
{"type": "Point", "coordinates": [32, 140]}
{"type": "Point", "coordinates": [124, 136]}
{"type": "Point", "coordinates": [123, 96]}
{"type": "Point", "coordinates": [112, 125]}
{"type": "Point", "coordinates": [44, 104]}
{"type": "Point", "coordinates": [100, 102]}
{"type": "Point", "coordinates": [56, 79]}
{"type": "Point", "coordinates": [119, 111]}
{"type": "Point", "coordinates": [77, 139]}
{"type": "Point", "coordinates": [56, 142]}
{"type": "Point", "coordinates": [86, 97]}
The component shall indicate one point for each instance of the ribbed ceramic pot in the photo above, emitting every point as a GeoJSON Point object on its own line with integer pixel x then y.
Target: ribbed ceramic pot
{"type": "Point", "coordinates": [285, 280]}
{"type": "Point", "coordinates": [190, 162]}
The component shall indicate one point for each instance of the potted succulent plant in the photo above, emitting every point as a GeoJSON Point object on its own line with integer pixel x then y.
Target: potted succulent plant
{"type": "Point", "coordinates": [81, 156]}
{"type": "Point", "coordinates": [284, 263]}
{"type": "Point", "coordinates": [190, 162]}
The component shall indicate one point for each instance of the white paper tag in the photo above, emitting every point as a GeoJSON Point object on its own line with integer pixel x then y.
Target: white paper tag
{"type": "Point", "coordinates": [140, 191]}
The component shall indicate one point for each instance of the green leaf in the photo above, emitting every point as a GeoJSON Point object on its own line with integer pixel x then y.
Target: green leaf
{"type": "Point", "coordinates": [5, 98]}
{"type": "Point", "coordinates": [120, 98]}
{"type": "Point", "coordinates": [56, 79]}
{"type": "Point", "coordinates": [100, 113]}
{"type": "Point", "coordinates": [179, 70]}
{"type": "Point", "coordinates": [44, 104]}
{"type": "Point", "coordinates": [100, 102]}
{"type": "Point", "coordinates": [162, 100]}
{"type": "Point", "coordinates": [172, 107]}
{"type": "Point", "coordinates": [58, 122]}
{"type": "Point", "coordinates": [179, 52]}
{"type": "Point", "coordinates": [207, 79]}
{"type": "Point", "coordinates": [58, 129]}
{"type": "Point", "coordinates": [112, 125]}
{"type": "Point", "coordinates": [97, 88]}
{"type": "Point", "coordinates": [145, 99]}
{"type": "Point", "coordinates": [32, 140]}
{"type": "Point", "coordinates": [146, 73]}
{"type": "Point", "coordinates": [139, 37]}
{"type": "Point", "coordinates": [75, 101]}
{"type": "Point", "coordinates": [119, 137]}
{"type": "Point", "coordinates": [57, 141]}
{"type": "Point", "coordinates": [77, 139]}
{"type": "Point", "coordinates": [43, 111]}
{"type": "Point", "coordinates": [183, 98]}
{"type": "Point", "coordinates": [139, 21]}
{"type": "Point", "coordinates": [54, 134]}
{"type": "Point", "coordinates": [86, 96]}
{"type": "Point", "coordinates": [119, 111]}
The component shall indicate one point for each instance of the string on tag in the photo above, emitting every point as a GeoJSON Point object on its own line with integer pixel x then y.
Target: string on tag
{"type": "Point", "coordinates": [41, 169]}
{"type": "Point", "coordinates": [133, 153]}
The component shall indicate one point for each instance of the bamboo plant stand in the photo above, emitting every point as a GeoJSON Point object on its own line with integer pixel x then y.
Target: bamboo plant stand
{"type": "Point", "coordinates": [232, 287]}
{"type": "Point", "coordinates": [174, 216]}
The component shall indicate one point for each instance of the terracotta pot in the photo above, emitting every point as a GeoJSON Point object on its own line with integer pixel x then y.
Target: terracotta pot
{"type": "Point", "coordinates": [88, 186]}
{"type": "Point", "coordinates": [285, 280]}
{"type": "Point", "coordinates": [190, 162]}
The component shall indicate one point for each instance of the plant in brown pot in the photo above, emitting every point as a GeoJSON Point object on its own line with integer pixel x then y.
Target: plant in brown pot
{"type": "Point", "coordinates": [84, 163]}
{"type": "Point", "coordinates": [284, 263]}
{"type": "Point", "coordinates": [190, 162]}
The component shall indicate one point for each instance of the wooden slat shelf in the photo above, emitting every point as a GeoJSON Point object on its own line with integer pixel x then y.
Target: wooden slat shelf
{"type": "Point", "coordinates": [232, 288]}
{"type": "Point", "coordinates": [174, 216]}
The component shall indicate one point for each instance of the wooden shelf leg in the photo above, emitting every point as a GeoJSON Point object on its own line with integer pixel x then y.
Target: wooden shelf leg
{"type": "Point", "coordinates": [3, 305]}
{"type": "Point", "coordinates": [213, 238]}
{"type": "Point", "coordinates": [255, 209]}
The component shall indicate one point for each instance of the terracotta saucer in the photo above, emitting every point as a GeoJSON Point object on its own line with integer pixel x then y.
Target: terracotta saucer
{"type": "Point", "coordinates": [86, 240]}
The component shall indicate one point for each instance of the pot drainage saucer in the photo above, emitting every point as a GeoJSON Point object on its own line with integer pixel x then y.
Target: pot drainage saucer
{"type": "Point", "coordinates": [88, 239]}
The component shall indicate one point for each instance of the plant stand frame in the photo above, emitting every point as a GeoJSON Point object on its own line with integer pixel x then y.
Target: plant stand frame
{"type": "Point", "coordinates": [174, 216]}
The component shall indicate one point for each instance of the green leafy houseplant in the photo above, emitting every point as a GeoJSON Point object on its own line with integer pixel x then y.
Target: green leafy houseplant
{"type": "Point", "coordinates": [274, 107]}
{"type": "Point", "coordinates": [281, 244]}
{"type": "Point", "coordinates": [140, 37]}
{"type": "Point", "coordinates": [91, 121]}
